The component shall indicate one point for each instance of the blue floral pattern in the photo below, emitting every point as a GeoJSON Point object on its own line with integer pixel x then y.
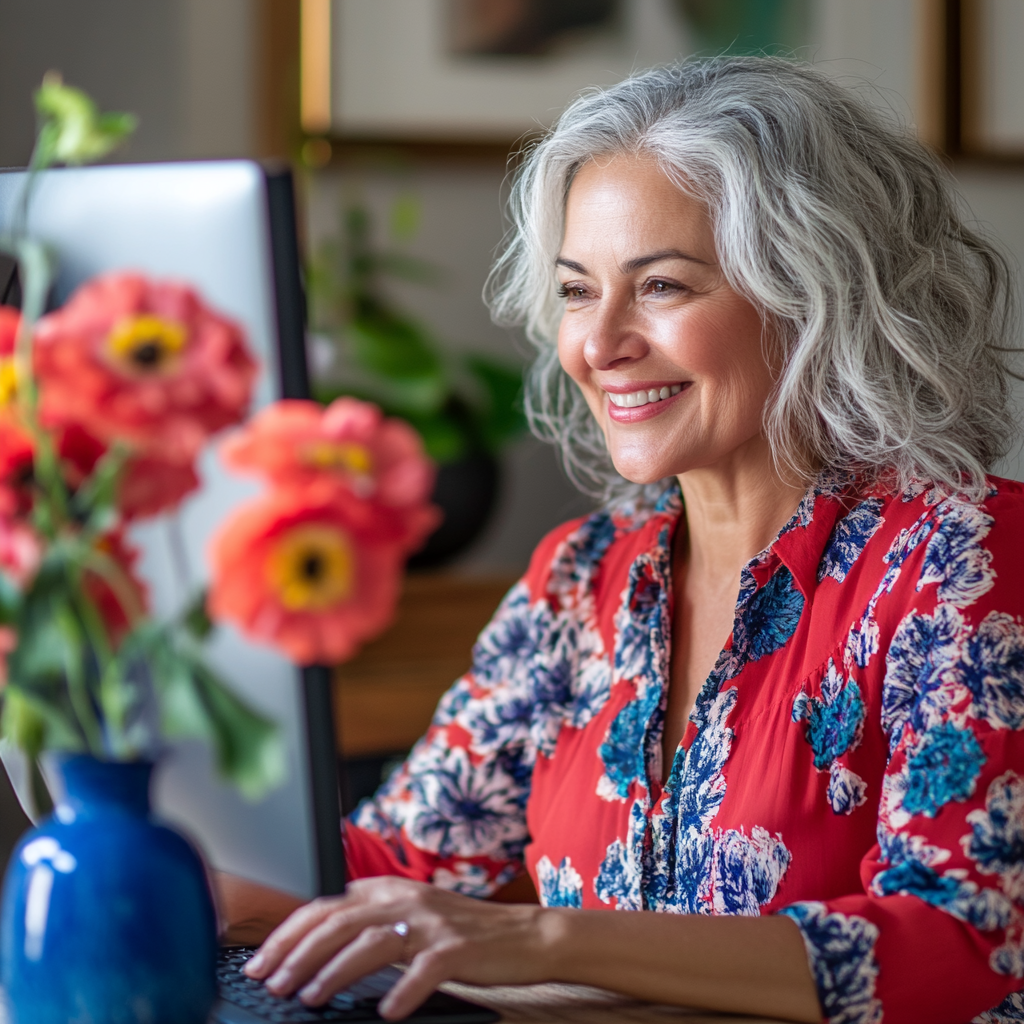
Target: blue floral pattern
{"type": "Point", "coordinates": [996, 841]}
{"type": "Point", "coordinates": [768, 619]}
{"type": "Point", "coordinates": [955, 559]}
{"type": "Point", "coordinates": [991, 666]}
{"type": "Point", "coordinates": [849, 538]}
{"type": "Point", "coordinates": [561, 886]}
{"type": "Point", "coordinates": [942, 765]}
{"type": "Point", "coordinates": [841, 949]}
{"type": "Point", "coordinates": [835, 723]}
{"type": "Point", "coordinates": [1009, 1011]}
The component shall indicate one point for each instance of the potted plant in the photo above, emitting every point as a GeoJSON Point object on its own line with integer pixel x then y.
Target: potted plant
{"type": "Point", "coordinates": [465, 407]}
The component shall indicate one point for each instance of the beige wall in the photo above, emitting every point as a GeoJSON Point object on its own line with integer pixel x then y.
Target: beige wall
{"type": "Point", "coordinates": [185, 67]}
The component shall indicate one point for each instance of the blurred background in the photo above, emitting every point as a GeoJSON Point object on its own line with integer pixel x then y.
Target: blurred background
{"type": "Point", "coordinates": [402, 119]}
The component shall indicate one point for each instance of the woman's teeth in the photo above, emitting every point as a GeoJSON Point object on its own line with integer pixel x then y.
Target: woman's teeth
{"type": "Point", "coordinates": [635, 399]}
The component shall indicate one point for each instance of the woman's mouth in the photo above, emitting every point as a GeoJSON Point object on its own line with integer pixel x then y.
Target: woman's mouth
{"type": "Point", "coordinates": [642, 404]}
{"type": "Point", "coordinates": [645, 396]}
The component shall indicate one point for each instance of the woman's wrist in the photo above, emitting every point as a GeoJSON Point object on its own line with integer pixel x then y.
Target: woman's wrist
{"type": "Point", "coordinates": [560, 942]}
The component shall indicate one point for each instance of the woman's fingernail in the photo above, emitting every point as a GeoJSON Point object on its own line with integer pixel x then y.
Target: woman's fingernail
{"type": "Point", "coordinates": [254, 963]}
{"type": "Point", "coordinates": [311, 991]}
{"type": "Point", "coordinates": [280, 979]}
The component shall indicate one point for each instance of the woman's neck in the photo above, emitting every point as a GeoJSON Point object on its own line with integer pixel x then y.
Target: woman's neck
{"type": "Point", "coordinates": [735, 510]}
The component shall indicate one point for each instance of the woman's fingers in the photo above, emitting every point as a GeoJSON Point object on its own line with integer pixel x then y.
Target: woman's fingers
{"type": "Point", "coordinates": [427, 970]}
{"type": "Point", "coordinates": [287, 936]}
{"type": "Point", "coordinates": [316, 948]}
{"type": "Point", "coordinates": [375, 947]}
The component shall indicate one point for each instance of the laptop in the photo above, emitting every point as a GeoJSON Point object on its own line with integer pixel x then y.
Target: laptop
{"type": "Point", "coordinates": [227, 228]}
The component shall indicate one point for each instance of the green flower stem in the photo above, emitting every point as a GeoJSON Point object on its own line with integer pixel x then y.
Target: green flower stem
{"type": "Point", "coordinates": [114, 576]}
{"type": "Point", "coordinates": [113, 699]}
{"type": "Point", "coordinates": [78, 687]}
{"type": "Point", "coordinates": [36, 274]}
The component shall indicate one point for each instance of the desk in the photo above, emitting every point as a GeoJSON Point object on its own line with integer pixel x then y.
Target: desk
{"type": "Point", "coordinates": [578, 1004]}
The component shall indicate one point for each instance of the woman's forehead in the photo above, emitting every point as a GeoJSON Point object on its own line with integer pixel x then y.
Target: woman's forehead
{"type": "Point", "coordinates": [626, 202]}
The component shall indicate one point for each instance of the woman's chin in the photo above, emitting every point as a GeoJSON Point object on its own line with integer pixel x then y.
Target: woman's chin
{"type": "Point", "coordinates": [642, 475]}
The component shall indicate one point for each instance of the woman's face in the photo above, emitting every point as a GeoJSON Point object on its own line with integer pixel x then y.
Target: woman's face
{"type": "Point", "coordinates": [649, 314]}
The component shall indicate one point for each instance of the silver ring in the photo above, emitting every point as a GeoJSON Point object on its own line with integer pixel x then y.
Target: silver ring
{"type": "Point", "coordinates": [401, 929]}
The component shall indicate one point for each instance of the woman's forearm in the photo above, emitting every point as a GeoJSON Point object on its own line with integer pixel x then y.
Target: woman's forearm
{"type": "Point", "coordinates": [754, 965]}
{"type": "Point", "coordinates": [248, 911]}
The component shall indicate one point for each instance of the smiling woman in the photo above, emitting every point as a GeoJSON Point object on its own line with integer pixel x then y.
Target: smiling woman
{"type": "Point", "coordinates": [766, 704]}
{"type": "Point", "coordinates": [647, 309]}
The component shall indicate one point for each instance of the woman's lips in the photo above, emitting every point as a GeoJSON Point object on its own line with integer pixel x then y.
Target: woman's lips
{"type": "Point", "coordinates": [645, 412]}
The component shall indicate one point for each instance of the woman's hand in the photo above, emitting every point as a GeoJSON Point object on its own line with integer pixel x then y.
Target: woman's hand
{"type": "Point", "coordinates": [328, 944]}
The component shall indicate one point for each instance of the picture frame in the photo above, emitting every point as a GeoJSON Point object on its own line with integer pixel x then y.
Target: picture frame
{"type": "Point", "coordinates": [973, 80]}
{"type": "Point", "coordinates": [387, 74]}
{"type": "Point", "coordinates": [992, 79]}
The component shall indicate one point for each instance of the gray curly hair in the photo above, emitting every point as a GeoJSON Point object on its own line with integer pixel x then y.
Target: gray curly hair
{"type": "Point", "coordinates": [842, 230]}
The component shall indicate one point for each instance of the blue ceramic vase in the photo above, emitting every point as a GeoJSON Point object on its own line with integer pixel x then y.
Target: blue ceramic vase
{"type": "Point", "coordinates": [106, 915]}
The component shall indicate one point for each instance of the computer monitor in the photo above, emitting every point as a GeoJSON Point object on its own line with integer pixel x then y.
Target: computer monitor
{"type": "Point", "coordinates": [228, 229]}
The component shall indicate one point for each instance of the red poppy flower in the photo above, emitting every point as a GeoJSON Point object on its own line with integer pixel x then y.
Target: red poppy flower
{"type": "Point", "coordinates": [15, 440]}
{"type": "Point", "coordinates": [142, 361]}
{"type": "Point", "coordinates": [10, 318]}
{"type": "Point", "coordinates": [121, 598]}
{"type": "Point", "coordinates": [379, 461]}
{"type": "Point", "coordinates": [291, 569]}
{"type": "Point", "coordinates": [149, 484]}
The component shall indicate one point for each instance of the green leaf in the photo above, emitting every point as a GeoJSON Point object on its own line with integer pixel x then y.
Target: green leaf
{"type": "Point", "coordinates": [196, 704]}
{"type": "Point", "coordinates": [247, 746]}
{"type": "Point", "coordinates": [34, 724]}
{"type": "Point", "coordinates": [196, 619]}
{"type": "Point", "coordinates": [502, 417]}
{"type": "Point", "coordinates": [406, 214]}
{"type": "Point", "coordinates": [393, 347]}
{"type": "Point", "coordinates": [10, 600]}
{"type": "Point", "coordinates": [74, 131]}
{"type": "Point", "coordinates": [444, 439]}
{"type": "Point", "coordinates": [41, 653]}
{"type": "Point", "coordinates": [95, 501]}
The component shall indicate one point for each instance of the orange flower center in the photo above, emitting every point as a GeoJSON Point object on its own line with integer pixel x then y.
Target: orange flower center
{"type": "Point", "coordinates": [146, 344]}
{"type": "Point", "coordinates": [311, 568]}
{"type": "Point", "coordinates": [353, 458]}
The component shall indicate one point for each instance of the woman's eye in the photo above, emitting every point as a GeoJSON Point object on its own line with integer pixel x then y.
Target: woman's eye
{"type": "Point", "coordinates": [662, 287]}
{"type": "Point", "coordinates": [571, 291]}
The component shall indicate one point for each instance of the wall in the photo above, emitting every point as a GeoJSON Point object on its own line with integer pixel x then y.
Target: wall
{"type": "Point", "coordinates": [185, 67]}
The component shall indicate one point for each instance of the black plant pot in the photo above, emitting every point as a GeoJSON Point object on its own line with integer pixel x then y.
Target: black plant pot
{"type": "Point", "coordinates": [466, 492]}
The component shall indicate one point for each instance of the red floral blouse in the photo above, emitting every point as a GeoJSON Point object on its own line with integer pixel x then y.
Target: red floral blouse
{"type": "Point", "coordinates": [855, 759]}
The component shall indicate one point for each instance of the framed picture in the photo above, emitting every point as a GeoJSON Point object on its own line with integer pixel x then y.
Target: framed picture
{"type": "Point", "coordinates": [487, 72]}
{"type": "Point", "coordinates": [973, 78]}
{"type": "Point", "coordinates": [992, 78]}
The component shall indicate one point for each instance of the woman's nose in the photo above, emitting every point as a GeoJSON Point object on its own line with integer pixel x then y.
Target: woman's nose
{"type": "Point", "coordinates": [613, 337]}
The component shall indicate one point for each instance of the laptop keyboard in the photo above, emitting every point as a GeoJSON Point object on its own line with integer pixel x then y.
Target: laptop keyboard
{"type": "Point", "coordinates": [358, 1003]}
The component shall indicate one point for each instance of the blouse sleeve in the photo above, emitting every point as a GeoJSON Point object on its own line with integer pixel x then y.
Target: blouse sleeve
{"type": "Point", "coordinates": [937, 934]}
{"type": "Point", "coordinates": [454, 814]}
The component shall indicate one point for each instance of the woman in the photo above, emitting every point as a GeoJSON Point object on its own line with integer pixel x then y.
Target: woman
{"type": "Point", "coordinates": [766, 332]}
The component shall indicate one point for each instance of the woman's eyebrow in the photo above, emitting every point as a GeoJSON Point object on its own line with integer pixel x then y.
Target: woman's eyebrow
{"type": "Point", "coordinates": [576, 268]}
{"type": "Point", "coordinates": [637, 262]}
{"type": "Point", "coordinates": [665, 254]}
